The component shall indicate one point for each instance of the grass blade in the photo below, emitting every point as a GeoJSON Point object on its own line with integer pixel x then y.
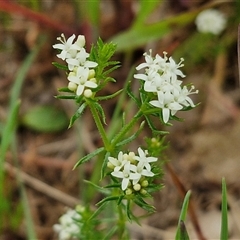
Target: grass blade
{"type": "Point", "coordinates": [181, 230]}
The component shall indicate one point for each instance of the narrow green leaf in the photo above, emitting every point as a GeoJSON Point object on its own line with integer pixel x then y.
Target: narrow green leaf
{"type": "Point", "coordinates": [65, 89]}
{"type": "Point", "coordinates": [120, 199]}
{"type": "Point", "coordinates": [153, 128]}
{"type": "Point", "coordinates": [107, 199]}
{"type": "Point", "coordinates": [114, 185]}
{"type": "Point", "coordinates": [12, 120]}
{"type": "Point", "coordinates": [60, 66]}
{"type": "Point", "coordinates": [65, 97]}
{"type": "Point", "coordinates": [97, 212]}
{"type": "Point", "coordinates": [111, 232]}
{"type": "Point", "coordinates": [131, 95]}
{"type": "Point", "coordinates": [107, 72]}
{"type": "Point", "coordinates": [224, 224]}
{"type": "Point", "coordinates": [77, 114]}
{"type": "Point", "coordinates": [182, 217]}
{"type": "Point", "coordinates": [109, 96]}
{"type": "Point", "coordinates": [104, 165]}
{"type": "Point", "coordinates": [8, 131]}
{"type": "Point", "coordinates": [21, 74]}
{"type": "Point", "coordinates": [129, 213]}
{"type": "Point", "coordinates": [183, 231]}
{"type": "Point", "coordinates": [88, 157]}
{"type": "Point", "coordinates": [98, 188]}
{"type": "Point", "coordinates": [141, 203]}
{"type": "Point", "coordinates": [101, 112]}
{"type": "Point", "coordinates": [131, 138]}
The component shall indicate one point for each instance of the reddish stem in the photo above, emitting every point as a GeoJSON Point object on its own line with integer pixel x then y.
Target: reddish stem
{"type": "Point", "coordinates": [14, 8]}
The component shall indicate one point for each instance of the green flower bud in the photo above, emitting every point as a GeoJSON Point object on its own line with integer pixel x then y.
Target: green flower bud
{"type": "Point", "coordinates": [128, 191]}
{"type": "Point", "coordinates": [144, 183]}
{"type": "Point", "coordinates": [137, 187]}
{"type": "Point", "coordinates": [143, 191]}
{"type": "Point", "coordinates": [91, 73]}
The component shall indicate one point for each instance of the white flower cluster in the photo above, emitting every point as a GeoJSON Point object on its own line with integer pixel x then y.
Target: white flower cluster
{"type": "Point", "coordinates": [161, 77]}
{"type": "Point", "coordinates": [132, 169]}
{"type": "Point", "coordinates": [211, 21]}
{"type": "Point", "coordinates": [82, 72]}
{"type": "Point", "coordinates": [68, 228]}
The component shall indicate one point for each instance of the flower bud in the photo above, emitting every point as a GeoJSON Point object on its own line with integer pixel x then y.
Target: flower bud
{"type": "Point", "coordinates": [80, 42]}
{"type": "Point", "coordinates": [137, 187]}
{"type": "Point", "coordinates": [72, 86]}
{"type": "Point", "coordinates": [110, 165]}
{"type": "Point", "coordinates": [125, 156]}
{"type": "Point", "coordinates": [93, 80]}
{"type": "Point", "coordinates": [143, 191]}
{"type": "Point", "coordinates": [91, 73]}
{"type": "Point", "coordinates": [128, 191]}
{"type": "Point", "coordinates": [88, 93]}
{"type": "Point", "coordinates": [144, 183]}
{"type": "Point", "coordinates": [80, 208]}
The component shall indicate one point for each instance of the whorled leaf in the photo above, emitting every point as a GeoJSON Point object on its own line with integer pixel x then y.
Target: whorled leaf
{"type": "Point", "coordinates": [88, 157]}
{"type": "Point", "coordinates": [77, 114]}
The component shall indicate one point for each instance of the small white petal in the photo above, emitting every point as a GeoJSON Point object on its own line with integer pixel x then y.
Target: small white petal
{"type": "Point", "coordinates": [166, 114]}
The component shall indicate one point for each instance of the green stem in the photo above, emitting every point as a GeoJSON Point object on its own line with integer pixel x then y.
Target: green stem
{"type": "Point", "coordinates": [121, 222]}
{"type": "Point", "coordinates": [100, 127]}
{"type": "Point", "coordinates": [126, 129]}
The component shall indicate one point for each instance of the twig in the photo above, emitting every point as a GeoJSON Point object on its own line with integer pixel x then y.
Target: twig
{"type": "Point", "coordinates": [42, 187]}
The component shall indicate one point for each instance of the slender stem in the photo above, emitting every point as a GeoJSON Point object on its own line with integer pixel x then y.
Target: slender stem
{"type": "Point", "coordinates": [121, 222]}
{"type": "Point", "coordinates": [100, 127]}
{"type": "Point", "coordinates": [126, 128]}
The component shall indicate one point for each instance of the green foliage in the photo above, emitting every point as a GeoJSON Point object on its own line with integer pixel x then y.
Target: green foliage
{"type": "Point", "coordinates": [89, 10]}
{"type": "Point", "coordinates": [8, 134]}
{"type": "Point", "coordinates": [60, 66]}
{"type": "Point", "coordinates": [146, 8]}
{"type": "Point", "coordinates": [102, 53]}
{"type": "Point", "coordinates": [142, 33]}
{"type": "Point", "coordinates": [77, 114]}
{"type": "Point", "coordinates": [181, 230]}
{"type": "Point", "coordinates": [88, 157]}
{"type": "Point", "coordinates": [201, 43]}
{"type": "Point", "coordinates": [45, 119]}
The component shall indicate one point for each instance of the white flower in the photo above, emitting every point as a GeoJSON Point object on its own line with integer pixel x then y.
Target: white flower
{"type": "Point", "coordinates": [167, 103]}
{"type": "Point", "coordinates": [79, 76]}
{"type": "Point", "coordinates": [172, 69]}
{"type": "Point", "coordinates": [183, 98]}
{"type": "Point", "coordinates": [126, 174]}
{"type": "Point", "coordinates": [131, 168]}
{"type": "Point", "coordinates": [80, 60]}
{"type": "Point", "coordinates": [69, 49]}
{"type": "Point", "coordinates": [161, 77]}
{"type": "Point", "coordinates": [143, 160]}
{"type": "Point", "coordinates": [81, 73]}
{"type": "Point", "coordinates": [68, 227]}
{"type": "Point", "coordinates": [211, 21]}
{"type": "Point", "coordinates": [117, 163]}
